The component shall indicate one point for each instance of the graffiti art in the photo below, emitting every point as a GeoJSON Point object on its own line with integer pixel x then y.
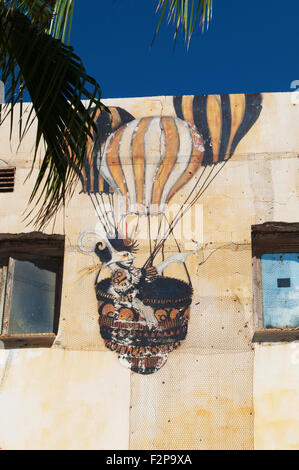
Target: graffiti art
{"type": "Point", "coordinates": [131, 173]}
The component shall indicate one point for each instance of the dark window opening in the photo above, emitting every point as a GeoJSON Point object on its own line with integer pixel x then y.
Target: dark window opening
{"type": "Point", "coordinates": [31, 267]}
{"type": "Point", "coordinates": [284, 282]}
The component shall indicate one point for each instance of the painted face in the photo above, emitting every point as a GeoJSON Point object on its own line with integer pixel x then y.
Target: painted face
{"type": "Point", "coordinates": [126, 259]}
{"type": "Point", "coordinates": [123, 258]}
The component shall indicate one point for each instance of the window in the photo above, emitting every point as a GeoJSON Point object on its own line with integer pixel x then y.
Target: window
{"type": "Point", "coordinates": [30, 288]}
{"type": "Point", "coordinates": [275, 252]}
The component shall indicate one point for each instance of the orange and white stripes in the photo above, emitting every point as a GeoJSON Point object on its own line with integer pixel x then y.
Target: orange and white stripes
{"type": "Point", "coordinates": [149, 159]}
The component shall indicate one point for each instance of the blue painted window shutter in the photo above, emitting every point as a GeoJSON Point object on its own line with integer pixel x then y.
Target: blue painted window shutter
{"type": "Point", "coordinates": [280, 281]}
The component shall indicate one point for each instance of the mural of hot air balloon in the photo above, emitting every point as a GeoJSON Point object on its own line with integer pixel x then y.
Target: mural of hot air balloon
{"type": "Point", "coordinates": [107, 122]}
{"type": "Point", "coordinates": [149, 159]}
{"type": "Point", "coordinates": [142, 163]}
{"type": "Point", "coordinates": [222, 120]}
{"type": "Point", "coordinates": [93, 183]}
{"type": "Point", "coordinates": [146, 162]}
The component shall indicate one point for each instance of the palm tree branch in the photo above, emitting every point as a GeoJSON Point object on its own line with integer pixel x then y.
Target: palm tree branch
{"type": "Point", "coordinates": [51, 16]}
{"type": "Point", "coordinates": [57, 83]}
{"type": "Point", "coordinates": [185, 14]}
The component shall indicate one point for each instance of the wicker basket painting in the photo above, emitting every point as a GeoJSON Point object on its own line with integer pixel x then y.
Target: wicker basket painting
{"type": "Point", "coordinates": [140, 348]}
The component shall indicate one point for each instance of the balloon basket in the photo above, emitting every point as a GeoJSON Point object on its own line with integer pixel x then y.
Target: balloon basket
{"type": "Point", "coordinates": [141, 348]}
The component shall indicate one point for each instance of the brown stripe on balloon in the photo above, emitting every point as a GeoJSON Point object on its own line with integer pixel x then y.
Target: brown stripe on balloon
{"type": "Point", "coordinates": [87, 172]}
{"type": "Point", "coordinates": [194, 163]}
{"type": "Point", "coordinates": [84, 176]}
{"type": "Point", "coordinates": [237, 106]}
{"type": "Point", "coordinates": [170, 156]}
{"type": "Point", "coordinates": [101, 184]}
{"type": "Point", "coordinates": [214, 116]}
{"type": "Point", "coordinates": [113, 162]}
{"type": "Point", "coordinates": [92, 170]}
{"type": "Point", "coordinates": [138, 156]}
{"type": "Point", "coordinates": [187, 108]}
{"type": "Point", "coordinates": [90, 141]}
{"type": "Point", "coordinates": [89, 161]}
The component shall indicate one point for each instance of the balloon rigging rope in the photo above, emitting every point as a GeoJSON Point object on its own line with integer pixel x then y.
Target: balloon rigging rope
{"type": "Point", "coordinates": [111, 200]}
{"type": "Point", "coordinates": [159, 230]}
{"type": "Point", "coordinates": [103, 216]}
{"type": "Point", "coordinates": [180, 251]}
{"type": "Point", "coordinates": [107, 217]}
{"type": "Point", "coordinates": [182, 211]}
{"type": "Point", "coordinates": [186, 200]}
{"type": "Point", "coordinates": [203, 188]}
{"type": "Point", "coordinates": [97, 210]}
{"type": "Point", "coordinates": [201, 191]}
{"type": "Point", "coordinates": [103, 213]}
{"type": "Point", "coordinates": [177, 217]}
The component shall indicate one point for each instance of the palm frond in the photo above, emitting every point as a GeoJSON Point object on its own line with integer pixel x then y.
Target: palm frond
{"type": "Point", "coordinates": [61, 23]}
{"type": "Point", "coordinates": [51, 16]}
{"type": "Point", "coordinates": [57, 82]}
{"type": "Point", "coordinates": [185, 14]}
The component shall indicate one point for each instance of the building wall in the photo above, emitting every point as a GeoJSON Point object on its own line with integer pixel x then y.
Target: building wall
{"type": "Point", "coordinates": [276, 396]}
{"type": "Point", "coordinates": [218, 390]}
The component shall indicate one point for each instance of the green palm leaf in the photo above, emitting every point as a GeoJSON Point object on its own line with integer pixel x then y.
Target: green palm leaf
{"type": "Point", "coordinates": [185, 14]}
{"type": "Point", "coordinates": [31, 58]}
{"type": "Point", "coordinates": [65, 100]}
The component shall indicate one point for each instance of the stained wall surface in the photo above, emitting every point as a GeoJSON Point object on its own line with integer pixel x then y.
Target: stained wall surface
{"type": "Point", "coordinates": [276, 396]}
{"type": "Point", "coordinates": [218, 390]}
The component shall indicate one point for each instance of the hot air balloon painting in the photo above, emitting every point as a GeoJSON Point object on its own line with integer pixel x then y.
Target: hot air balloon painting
{"type": "Point", "coordinates": [137, 168]}
{"type": "Point", "coordinates": [148, 160]}
{"type": "Point", "coordinates": [223, 120]}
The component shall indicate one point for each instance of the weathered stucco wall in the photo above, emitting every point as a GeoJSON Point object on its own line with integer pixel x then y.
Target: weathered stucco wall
{"type": "Point", "coordinates": [276, 396]}
{"type": "Point", "coordinates": [218, 390]}
{"type": "Point", "coordinates": [54, 399]}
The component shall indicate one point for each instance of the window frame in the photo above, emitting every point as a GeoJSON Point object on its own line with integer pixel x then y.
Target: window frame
{"type": "Point", "coordinates": [269, 238]}
{"type": "Point", "coordinates": [28, 246]}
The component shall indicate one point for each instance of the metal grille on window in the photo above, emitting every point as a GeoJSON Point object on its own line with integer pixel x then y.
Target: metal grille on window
{"type": "Point", "coordinates": [7, 180]}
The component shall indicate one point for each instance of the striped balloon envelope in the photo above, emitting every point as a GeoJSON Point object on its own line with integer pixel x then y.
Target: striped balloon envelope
{"type": "Point", "coordinates": [223, 120]}
{"type": "Point", "coordinates": [107, 122]}
{"type": "Point", "coordinates": [149, 159]}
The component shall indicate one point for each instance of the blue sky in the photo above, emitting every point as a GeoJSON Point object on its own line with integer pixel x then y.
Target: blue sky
{"type": "Point", "coordinates": [249, 47]}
